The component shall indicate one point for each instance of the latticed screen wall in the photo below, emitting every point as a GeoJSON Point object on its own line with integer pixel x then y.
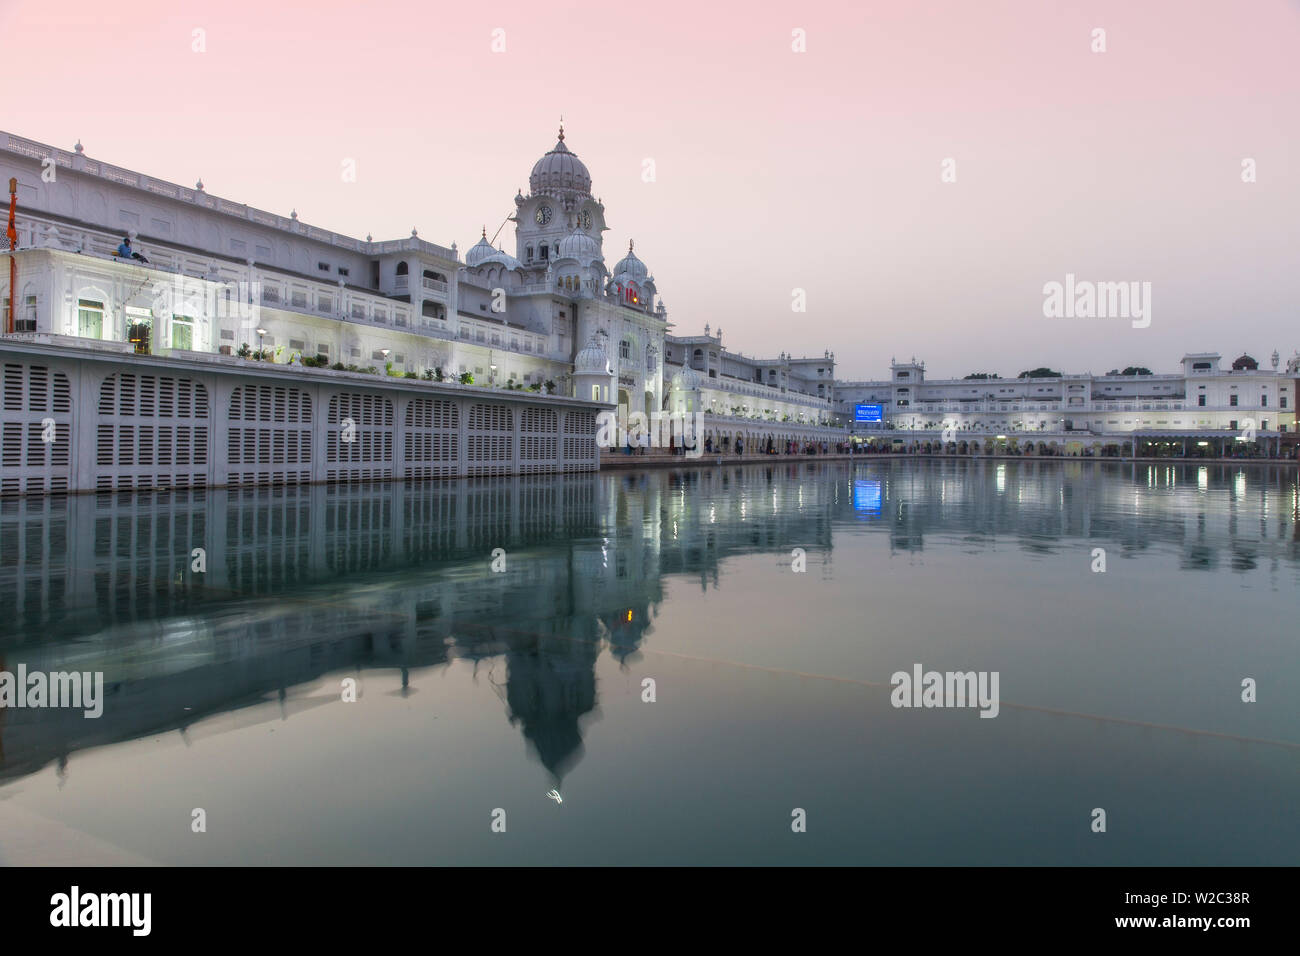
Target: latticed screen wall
{"type": "Point", "coordinates": [489, 436]}
{"type": "Point", "coordinates": [269, 441]}
{"type": "Point", "coordinates": [431, 438]}
{"type": "Point", "coordinates": [36, 434]}
{"type": "Point", "coordinates": [580, 441]}
{"type": "Point", "coordinates": [151, 432]}
{"type": "Point", "coordinates": [359, 438]}
{"type": "Point", "coordinates": [539, 430]}
{"type": "Point", "coordinates": [104, 424]}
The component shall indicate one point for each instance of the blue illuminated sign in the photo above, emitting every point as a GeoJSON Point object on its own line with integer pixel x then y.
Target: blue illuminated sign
{"type": "Point", "coordinates": [867, 413]}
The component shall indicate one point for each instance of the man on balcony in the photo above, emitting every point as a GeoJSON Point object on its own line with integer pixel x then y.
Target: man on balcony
{"type": "Point", "coordinates": [124, 250]}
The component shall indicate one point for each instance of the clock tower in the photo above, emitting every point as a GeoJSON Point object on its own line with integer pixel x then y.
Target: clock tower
{"type": "Point", "coordinates": [559, 202]}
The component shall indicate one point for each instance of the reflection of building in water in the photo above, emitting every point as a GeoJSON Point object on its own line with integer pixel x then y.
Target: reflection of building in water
{"type": "Point", "coordinates": [1046, 505]}
{"type": "Point", "coordinates": [313, 581]}
{"type": "Point", "coordinates": [304, 582]}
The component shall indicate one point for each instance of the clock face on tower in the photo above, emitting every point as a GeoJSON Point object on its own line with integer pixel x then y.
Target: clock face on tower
{"type": "Point", "coordinates": [586, 219]}
{"type": "Point", "coordinates": [543, 215]}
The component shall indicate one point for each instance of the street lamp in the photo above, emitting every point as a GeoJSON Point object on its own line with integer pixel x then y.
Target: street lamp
{"type": "Point", "coordinates": [261, 352]}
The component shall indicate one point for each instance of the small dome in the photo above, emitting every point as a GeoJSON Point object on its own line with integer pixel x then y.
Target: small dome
{"type": "Point", "coordinates": [479, 251]}
{"type": "Point", "coordinates": [591, 358]}
{"type": "Point", "coordinates": [686, 380]}
{"type": "Point", "coordinates": [482, 253]}
{"type": "Point", "coordinates": [503, 257]}
{"type": "Point", "coordinates": [578, 245]}
{"type": "Point", "coordinates": [560, 169]}
{"type": "Point", "coordinates": [631, 267]}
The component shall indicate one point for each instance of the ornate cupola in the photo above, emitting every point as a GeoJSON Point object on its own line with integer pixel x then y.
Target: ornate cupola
{"type": "Point", "coordinates": [560, 173]}
{"type": "Point", "coordinates": [592, 375]}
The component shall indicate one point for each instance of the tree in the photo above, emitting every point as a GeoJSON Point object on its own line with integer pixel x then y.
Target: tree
{"type": "Point", "coordinates": [1040, 372]}
{"type": "Point", "coordinates": [982, 375]}
{"type": "Point", "coordinates": [1135, 370]}
{"type": "Point", "coordinates": [466, 378]}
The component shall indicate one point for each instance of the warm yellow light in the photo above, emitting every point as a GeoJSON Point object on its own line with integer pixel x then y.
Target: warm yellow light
{"type": "Point", "coordinates": [629, 617]}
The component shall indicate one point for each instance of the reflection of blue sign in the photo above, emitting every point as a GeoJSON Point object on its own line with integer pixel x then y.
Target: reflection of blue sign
{"type": "Point", "coordinates": [866, 413]}
{"type": "Point", "coordinates": [866, 495]}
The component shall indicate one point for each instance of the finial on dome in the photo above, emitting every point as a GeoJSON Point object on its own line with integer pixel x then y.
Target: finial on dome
{"type": "Point", "coordinates": [561, 127]}
{"type": "Point", "coordinates": [79, 148]}
{"type": "Point", "coordinates": [414, 233]}
{"type": "Point", "coordinates": [629, 247]}
{"type": "Point", "coordinates": [485, 232]}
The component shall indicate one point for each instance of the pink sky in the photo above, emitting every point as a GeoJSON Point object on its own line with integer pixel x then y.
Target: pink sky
{"type": "Point", "coordinates": [775, 170]}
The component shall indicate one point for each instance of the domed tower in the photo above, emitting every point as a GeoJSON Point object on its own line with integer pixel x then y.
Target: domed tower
{"type": "Point", "coordinates": [559, 202]}
{"type": "Point", "coordinates": [685, 395]}
{"type": "Point", "coordinates": [577, 266]}
{"type": "Point", "coordinates": [632, 282]}
{"type": "Point", "coordinates": [592, 375]}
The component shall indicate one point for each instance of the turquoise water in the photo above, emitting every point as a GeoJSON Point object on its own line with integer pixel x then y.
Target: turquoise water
{"type": "Point", "coordinates": [482, 690]}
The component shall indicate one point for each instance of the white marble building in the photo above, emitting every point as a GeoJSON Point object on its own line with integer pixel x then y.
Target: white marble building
{"type": "Point", "coordinates": [222, 277]}
{"type": "Point", "coordinates": [1203, 397]}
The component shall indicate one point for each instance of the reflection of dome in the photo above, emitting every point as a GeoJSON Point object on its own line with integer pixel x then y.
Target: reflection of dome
{"type": "Point", "coordinates": [687, 380]}
{"type": "Point", "coordinates": [558, 170]}
{"type": "Point", "coordinates": [578, 245]}
{"type": "Point", "coordinates": [630, 267]}
{"type": "Point", "coordinates": [591, 358]}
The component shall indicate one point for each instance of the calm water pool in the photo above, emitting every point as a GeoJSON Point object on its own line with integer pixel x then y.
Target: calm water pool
{"type": "Point", "coordinates": [523, 690]}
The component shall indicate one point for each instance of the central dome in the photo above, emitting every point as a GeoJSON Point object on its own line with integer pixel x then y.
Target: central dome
{"type": "Point", "coordinates": [559, 170]}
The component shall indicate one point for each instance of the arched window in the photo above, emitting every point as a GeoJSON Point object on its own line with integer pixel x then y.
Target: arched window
{"type": "Point", "coordinates": [545, 251]}
{"type": "Point", "coordinates": [530, 253]}
{"type": "Point", "coordinates": [402, 269]}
